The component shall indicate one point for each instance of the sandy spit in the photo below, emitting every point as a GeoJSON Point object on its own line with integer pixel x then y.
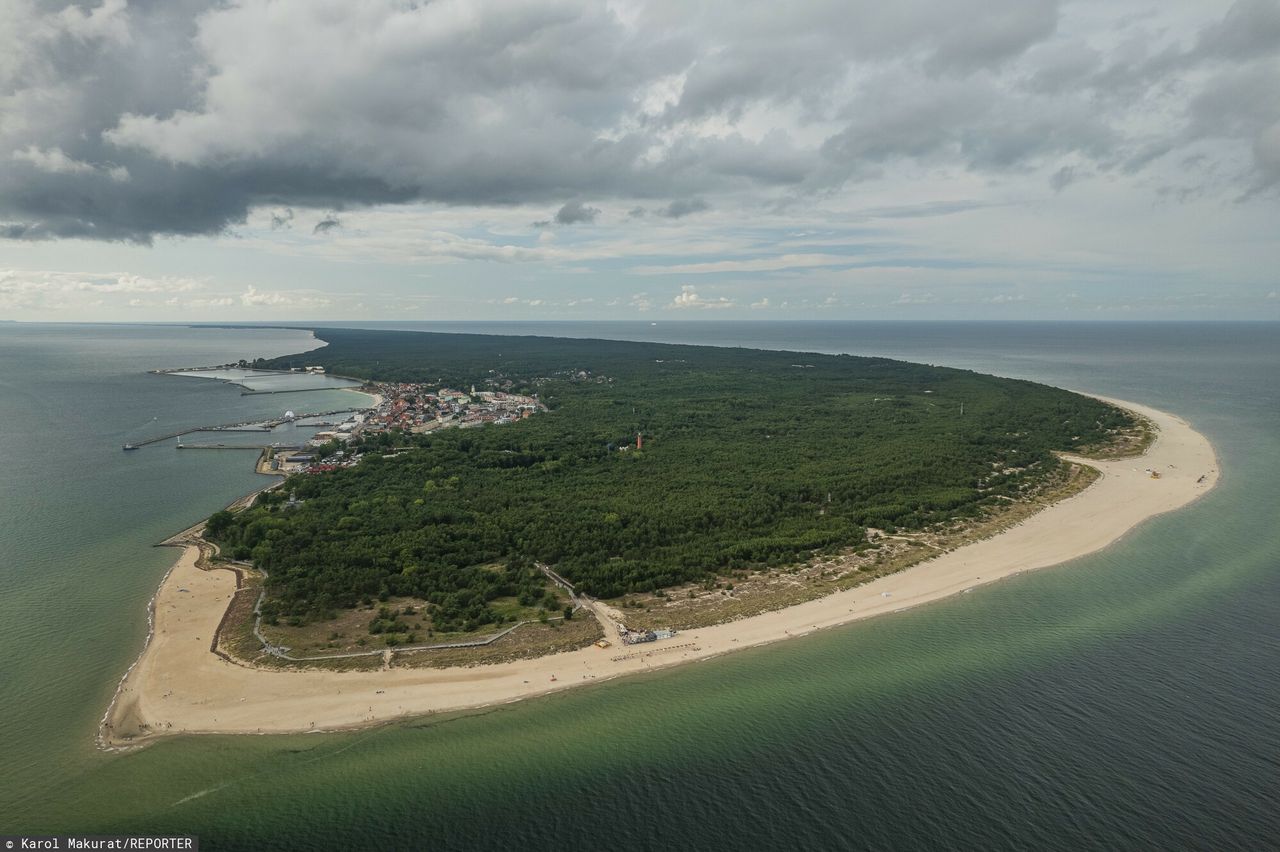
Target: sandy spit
{"type": "Point", "coordinates": [177, 686]}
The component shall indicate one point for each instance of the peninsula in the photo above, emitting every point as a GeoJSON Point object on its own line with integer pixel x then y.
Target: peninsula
{"type": "Point", "coordinates": [767, 495]}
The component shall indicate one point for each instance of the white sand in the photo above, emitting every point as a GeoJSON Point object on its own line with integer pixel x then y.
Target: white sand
{"type": "Point", "coordinates": [178, 686]}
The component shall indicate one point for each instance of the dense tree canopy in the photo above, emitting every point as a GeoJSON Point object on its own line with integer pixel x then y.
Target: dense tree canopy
{"type": "Point", "coordinates": [750, 458]}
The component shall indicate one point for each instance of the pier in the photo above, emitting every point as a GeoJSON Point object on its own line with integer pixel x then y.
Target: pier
{"type": "Point", "coordinates": [160, 438]}
{"type": "Point", "coordinates": [247, 426]}
{"type": "Point", "coordinates": [294, 390]}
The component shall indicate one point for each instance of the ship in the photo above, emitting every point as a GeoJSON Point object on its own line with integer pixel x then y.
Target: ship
{"type": "Point", "coordinates": [129, 447]}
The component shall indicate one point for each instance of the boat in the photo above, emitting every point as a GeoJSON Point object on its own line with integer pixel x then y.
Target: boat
{"type": "Point", "coordinates": [129, 447]}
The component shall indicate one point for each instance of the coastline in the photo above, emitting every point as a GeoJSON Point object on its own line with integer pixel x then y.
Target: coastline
{"type": "Point", "coordinates": [178, 686]}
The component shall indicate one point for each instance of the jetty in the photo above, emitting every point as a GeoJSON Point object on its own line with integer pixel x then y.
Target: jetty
{"type": "Point", "coordinates": [246, 426]}
{"type": "Point", "coordinates": [293, 390]}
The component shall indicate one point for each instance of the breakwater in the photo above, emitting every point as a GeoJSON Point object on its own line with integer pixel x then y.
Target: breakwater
{"type": "Point", "coordinates": [246, 426]}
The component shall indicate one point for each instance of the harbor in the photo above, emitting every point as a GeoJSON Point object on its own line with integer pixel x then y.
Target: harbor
{"type": "Point", "coordinates": [265, 426]}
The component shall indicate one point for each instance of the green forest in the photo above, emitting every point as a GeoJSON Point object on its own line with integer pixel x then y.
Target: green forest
{"type": "Point", "coordinates": [750, 458]}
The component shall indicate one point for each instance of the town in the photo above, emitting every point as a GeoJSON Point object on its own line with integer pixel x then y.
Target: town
{"type": "Point", "coordinates": [412, 408]}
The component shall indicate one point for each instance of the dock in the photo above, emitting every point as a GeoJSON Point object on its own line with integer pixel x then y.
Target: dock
{"type": "Point", "coordinates": [294, 390]}
{"type": "Point", "coordinates": [247, 426]}
{"type": "Point", "coordinates": [160, 438]}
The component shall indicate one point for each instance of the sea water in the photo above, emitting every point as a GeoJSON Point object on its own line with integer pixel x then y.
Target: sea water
{"type": "Point", "coordinates": [1127, 699]}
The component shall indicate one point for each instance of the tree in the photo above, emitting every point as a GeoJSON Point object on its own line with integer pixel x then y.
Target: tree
{"type": "Point", "coordinates": [753, 464]}
{"type": "Point", "coordinates": [218, 523]}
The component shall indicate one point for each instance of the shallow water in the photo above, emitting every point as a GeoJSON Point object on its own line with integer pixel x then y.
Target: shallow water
{"type": "Point", "coordinates": [1125, 700]}
{"type": "Point", "coordinates": [270, 380]}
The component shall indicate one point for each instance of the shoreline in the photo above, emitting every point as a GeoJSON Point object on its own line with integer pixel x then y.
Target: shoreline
{"type": "Point", "coordinates": [177, 686]}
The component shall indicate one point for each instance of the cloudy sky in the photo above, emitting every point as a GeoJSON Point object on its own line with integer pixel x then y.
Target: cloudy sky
{"type": "Point", "coordinates": [394, 159]}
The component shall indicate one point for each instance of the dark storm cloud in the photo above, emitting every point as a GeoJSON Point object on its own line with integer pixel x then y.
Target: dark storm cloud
{"type": "Point", "coordinates": [329, 223]}
{"type": "Point", "coordinates": [1010, 28]}
{"type": "Point", "coordinates": [767, 53]}
{"type": "Point", "coordinates": [1063, 178]}
{"type": "Point", "coordinates": [16, 232]}
{"type": "Point", "coordinates": [682, 207]}
{"type": "Point", "coordinates": [576, 212]}
{"type": "Point", "coordinates": [122, 122]}
{"type": "Point", "coordinates": [924, 211]}
{"type": "Point", "coordinates": [1250, 29]}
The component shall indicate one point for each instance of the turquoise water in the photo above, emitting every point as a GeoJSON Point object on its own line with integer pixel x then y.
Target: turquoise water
{"type": "Point", "coordinates": [1127, 700]}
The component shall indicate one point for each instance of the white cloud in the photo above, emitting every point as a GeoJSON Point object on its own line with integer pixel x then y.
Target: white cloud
{"type": "Point", "coordinates": [689, 298]}
{"type": "Point", "coordinates": [55, 161]}
{"type": "Point", "coordinates": [915, 299]}
{"type": "Point", "coordinates": [109, 21]}
{"type": "Point", "coordinates": [820, 144]}
{"type": "Point", "coordinates": [255, 298]}
{"type": "Point", "coordinates": [58, 282]}
{"type": "Point", "coordinates": [139, 284]}
{"type": "Point", "coordinates": [758, 264]}
{"type": "Point", "coordinates": [650, 105]}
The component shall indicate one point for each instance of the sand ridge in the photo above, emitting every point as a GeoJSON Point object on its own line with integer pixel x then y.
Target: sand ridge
{"type": "Point", "coordinates": [179, 686]}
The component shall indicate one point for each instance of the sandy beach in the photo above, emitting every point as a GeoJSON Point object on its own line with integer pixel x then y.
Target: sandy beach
{"type": "Point", "coordinates": [179, 686]}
